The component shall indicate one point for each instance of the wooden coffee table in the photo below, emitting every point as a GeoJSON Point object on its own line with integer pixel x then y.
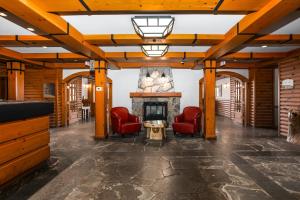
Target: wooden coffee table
{"type": "Point", "coordinates": [156, 130]}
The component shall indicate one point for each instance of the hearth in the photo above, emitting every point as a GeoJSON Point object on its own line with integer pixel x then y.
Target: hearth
{"type": "Point", "coordinates": [155, 111]}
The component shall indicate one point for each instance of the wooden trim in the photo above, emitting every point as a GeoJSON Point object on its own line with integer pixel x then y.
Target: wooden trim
{"type": "Point", "coordinates": [150, 94]}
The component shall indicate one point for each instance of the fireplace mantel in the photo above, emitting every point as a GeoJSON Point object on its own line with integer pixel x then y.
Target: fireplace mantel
{"type": "Point", "coordinates": [156, 94]}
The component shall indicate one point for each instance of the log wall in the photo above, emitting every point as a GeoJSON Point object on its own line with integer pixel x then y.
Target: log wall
{"type": "Point", "coordinates": [261, 98]}
{"type": "Point", "coordinates": [33, 90]}
{"type": "Point", "coordinates": [289, 98]}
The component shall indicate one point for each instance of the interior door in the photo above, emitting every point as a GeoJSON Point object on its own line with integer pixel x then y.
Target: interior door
{"type": "Point", "coordinates": [73, 101]}
{"type": "Point", "coordinates": [238, 102]}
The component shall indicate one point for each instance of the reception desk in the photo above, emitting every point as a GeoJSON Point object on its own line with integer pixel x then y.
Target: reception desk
{"type": "Point", "coordinates": [24, 137]}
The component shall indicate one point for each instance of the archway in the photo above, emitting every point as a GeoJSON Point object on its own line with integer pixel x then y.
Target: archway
{"type": "Point", "coordinates": [231, 96]}
{"type": "Point", "coordinates": [90, 100]}
{"type": "Point", "coordinates": [77, 96]}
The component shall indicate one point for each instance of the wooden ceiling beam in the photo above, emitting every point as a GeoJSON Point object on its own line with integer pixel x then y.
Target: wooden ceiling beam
{"type": "Point", "coordinates": [130, 56]}
{"type": "Point", "coordinates": [11, 55]}
{"type": "Point", "coordinates": [177, 65]}
{"type": "Point", "coordinates": [252, 25]}
{"type": "Point", "coordinates": [81, 65]}
{"type": "Point", "coordinates": [135, 40]}
{"type": "Point", "coordinates": [70, 7]}
{"type": "Point", "coordinates": [51, 25]}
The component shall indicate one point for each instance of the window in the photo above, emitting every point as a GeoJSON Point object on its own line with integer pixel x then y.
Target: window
{"type": "Point", "coordinates": [72, 92]}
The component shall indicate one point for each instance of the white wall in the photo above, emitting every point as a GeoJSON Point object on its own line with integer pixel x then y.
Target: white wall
{"type": "Point", "coordinates": [244, 72]}
{"type": "Point", "coordinates": [68, 72]}
{"type": "Point", "coordinates": [126, 81]}
{"type": "Point", "coordinates": [225, 82]}
{"type": "Point", "coordinates": [187, 82]}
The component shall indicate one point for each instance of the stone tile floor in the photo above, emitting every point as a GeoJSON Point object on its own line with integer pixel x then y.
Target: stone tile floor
{"type": "Point", "coordinates": [243, 163]}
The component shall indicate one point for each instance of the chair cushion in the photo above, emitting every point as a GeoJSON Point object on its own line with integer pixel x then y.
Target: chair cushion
{"type": "Point", "coordinates": [187, 128]}
{"type": "Point", "coordinates": [130, 128]}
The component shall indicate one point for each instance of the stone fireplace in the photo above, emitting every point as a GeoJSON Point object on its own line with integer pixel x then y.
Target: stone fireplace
{"type": "Point", "coordinates": [157, 92]}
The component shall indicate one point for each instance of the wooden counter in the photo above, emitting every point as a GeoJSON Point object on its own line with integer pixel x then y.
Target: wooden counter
{"type": "Point", "coordinates": [23, 143]}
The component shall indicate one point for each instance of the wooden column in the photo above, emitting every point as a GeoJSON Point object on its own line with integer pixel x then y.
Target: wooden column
{"type": "Point", "coordinates": [15, 77]}
{"type": "Point", "coordinates": [101, 98]}
{"type": "Point", "coordinates": [209, 99]}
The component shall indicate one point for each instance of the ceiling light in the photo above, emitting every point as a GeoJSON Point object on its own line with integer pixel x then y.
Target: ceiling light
{"type": "Point", "coordinates": [30, 29]}
{"type": "Point", "coordinates": [3, 14]}
{"type": "Point", "coordinates": [153, 26]}
{"type": "Point", "coordinates": [45, 47]}
{"type": "Point", "coordinates": [155, 50]}
{"type": "Point", "coordinates": [264, 46]}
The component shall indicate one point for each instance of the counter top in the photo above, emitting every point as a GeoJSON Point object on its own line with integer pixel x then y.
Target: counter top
{"type": "Point", "coordinates": [14, 110]}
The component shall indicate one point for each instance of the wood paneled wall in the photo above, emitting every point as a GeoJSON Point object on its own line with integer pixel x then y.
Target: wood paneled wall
{"type": "Point", "coordinates": [223, 108]}
{"type": "Point", "coordinates": [261, 98]}
{"type": "Point", "coordinates": [289, 98]}
{"type": "Point", "coordinates": [34, 80]}
{"type": "Point", "coordinates": [23, 145]}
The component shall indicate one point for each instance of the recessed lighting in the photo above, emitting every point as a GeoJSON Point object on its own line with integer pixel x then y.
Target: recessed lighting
{"type": "Point", "coordinates": [3, 14]}
{"type": "Point", "coordinates": [45, 47]}
{"type": "Point", "coordinates": [30, 29]}
{"type": "Point", "coordinates": [264, 46]}
{"type": "Point", "coordinates": [75, 60]}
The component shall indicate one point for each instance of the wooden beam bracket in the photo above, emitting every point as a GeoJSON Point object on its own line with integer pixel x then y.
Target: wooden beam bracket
{"type": "Point", "coordinates": [195, 39]}
{"type": "Point", "coordinates": [17, 39]}
{"type": "Point", "coordinates": [112, 39]}
{"type": "Point", "coordinates": [215, 11]}
{"type": "Point", "coordinates": [85, 5]}
{"type": "Point", "coordinates": [125, 55]}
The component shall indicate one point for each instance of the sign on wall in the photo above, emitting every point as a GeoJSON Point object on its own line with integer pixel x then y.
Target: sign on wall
{"type": "Point", "coordinates": [99, 89]}
{"type": "Point", "coordinates": [287, 84]}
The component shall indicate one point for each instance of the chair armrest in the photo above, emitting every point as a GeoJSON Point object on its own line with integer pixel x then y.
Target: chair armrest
{"type": "Point", "coordinates": [133, 118]}
{"type": "Point", "coordinates": [178, 118]}
{"type": "Point", "coordinates": [116, 123]}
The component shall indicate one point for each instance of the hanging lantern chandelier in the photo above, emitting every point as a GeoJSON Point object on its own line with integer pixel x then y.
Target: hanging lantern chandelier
{"type": "Point", "coordinates": [155, 50]}
{"type": "Point", "coordinates": [153, 26]}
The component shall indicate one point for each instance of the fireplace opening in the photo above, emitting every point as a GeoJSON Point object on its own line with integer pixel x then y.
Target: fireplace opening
{"type": "Point", "coordinates": [155, 111]}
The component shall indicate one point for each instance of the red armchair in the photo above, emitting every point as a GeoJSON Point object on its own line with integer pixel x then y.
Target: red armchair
{"type": "Point", "coordinates": [188, 122]}
{"type": "Point", "coordinates": [123, 122]}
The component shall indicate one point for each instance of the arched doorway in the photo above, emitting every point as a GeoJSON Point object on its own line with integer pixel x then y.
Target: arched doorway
{"type": "Point", "coordinates": [231, 96]}
{"type": "Point", "coordinates": [73, 98]}
{"type": "Point", "coordinates": [78, 96]}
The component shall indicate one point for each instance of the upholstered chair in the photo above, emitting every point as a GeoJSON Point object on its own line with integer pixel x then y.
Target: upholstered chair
{"type": "Point", "coordinates": [123, 122]}
{"type": "Point", "coordinates": [188, 122]}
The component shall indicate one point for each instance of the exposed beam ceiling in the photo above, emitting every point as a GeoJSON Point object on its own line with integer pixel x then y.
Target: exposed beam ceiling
{"type": "Point", "coordinates": [134, 40]}
{"type": "Point", "coordinates": [71, 7]}
{"type": "Point", "coordinates": [8, 55]}
{"type": "Point", "coordinates": [54, 26]}
{"type": "Point", "coordinates": [139, 56]}
{"type": "Point", "coordinates": [252, 25]}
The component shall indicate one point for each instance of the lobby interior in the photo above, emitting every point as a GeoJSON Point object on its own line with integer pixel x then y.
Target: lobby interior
{"type": "Point", "coordinates": [150, 99]}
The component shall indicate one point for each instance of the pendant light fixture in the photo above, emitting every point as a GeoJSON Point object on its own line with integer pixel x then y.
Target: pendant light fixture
{"type": "Point", "coordinates": [153, 26]}
{"type": "Point", "coordinates": [155, 50]}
